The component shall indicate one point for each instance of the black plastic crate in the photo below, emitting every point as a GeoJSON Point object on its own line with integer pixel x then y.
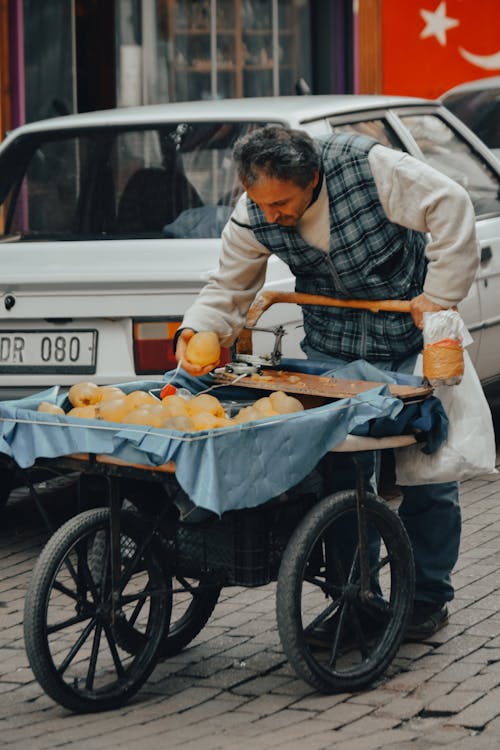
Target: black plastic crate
{"type": "Point", "coordinates": [243, 548]}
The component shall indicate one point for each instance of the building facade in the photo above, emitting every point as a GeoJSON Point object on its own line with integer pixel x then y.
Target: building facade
{"type": "Point", "coordinates": [63, 56]}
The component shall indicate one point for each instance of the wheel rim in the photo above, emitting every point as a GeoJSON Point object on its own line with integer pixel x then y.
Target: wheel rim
{"type": "Point", "coordinates": [79, 633]}
{"type": "Point", "coordinates": [365, 627]}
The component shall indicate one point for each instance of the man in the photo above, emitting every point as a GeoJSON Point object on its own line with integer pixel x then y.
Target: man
{"type": "Point", "coordinates": [350, 216]}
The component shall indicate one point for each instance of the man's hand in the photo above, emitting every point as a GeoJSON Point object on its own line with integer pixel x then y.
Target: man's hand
{"type": "Point", "coordinates": [180, 355]}
{"type": "Point", "coordinates": [420, 305]}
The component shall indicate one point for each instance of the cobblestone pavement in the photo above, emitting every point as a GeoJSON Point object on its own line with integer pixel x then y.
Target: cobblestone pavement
{"type": "Point", "coordinates": [233, 688]}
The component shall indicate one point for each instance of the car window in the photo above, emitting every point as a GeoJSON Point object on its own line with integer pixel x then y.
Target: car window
{"type": "Point", "coordinates": [378, 129]}
{"type": "Point", "coordinates": [480, 110]}
{"type": "Point", "coordinates": [176, 180]}
{"type": "Point", "coordinates": [448, 152]}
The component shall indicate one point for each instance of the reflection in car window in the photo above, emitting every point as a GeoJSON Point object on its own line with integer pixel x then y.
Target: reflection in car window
{"type": "Point", "coordinates": [480, 110]}
{"type": "Point", "coordinates": [378, 129]}
{"type": "Point", "coordinates": [173, 180]}
{"type": "Point", "coordinates": [445, 150]}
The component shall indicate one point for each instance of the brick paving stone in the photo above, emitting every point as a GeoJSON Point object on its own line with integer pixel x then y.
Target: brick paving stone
{"type": "Point", "coordinates": [484, 655]}
{"type": "Point", "coordinates": [473, 616]}
{"type": "Point", "coordinates": [346, 713]}
{"type": "Point", "coordinates": [401, 708]}
{"type": "Point", "coordinates": [260, 685]}
{"type": "Point", "coordinates": [477, 741]}
{"type": "Point", "coordinates": [457, 672]}
{"type": "Point", "coordinates": [442, 736]}
{"type": "Point", "coordinates": [375, 741]}
{"type": "Point", "coordinates": [462, 645]}
{"type": "Point", "coordinates": [429, 691]}
{"type": "Point", "coordinates": [454, 702]}
{"type": "Point", "coordinates": [480, 713]}
{"type": "Point", "coordinates": [409, 680]}
{"type": "Point", "coordinates": [367, 725]}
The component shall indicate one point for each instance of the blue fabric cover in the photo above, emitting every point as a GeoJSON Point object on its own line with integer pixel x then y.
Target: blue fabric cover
{"type": "Point", "coordinates": [236, 467]}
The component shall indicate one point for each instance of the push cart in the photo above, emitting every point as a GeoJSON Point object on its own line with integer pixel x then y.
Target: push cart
{"type": "Point", "coordinates": [135, 579]}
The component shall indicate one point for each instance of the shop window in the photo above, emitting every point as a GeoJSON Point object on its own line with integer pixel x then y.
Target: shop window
{"type": "Point", "coordinates": [212, 49]}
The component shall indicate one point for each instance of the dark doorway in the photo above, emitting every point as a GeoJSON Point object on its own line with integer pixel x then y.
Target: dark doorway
{"type": "Point", "coordinates": [95, 55]}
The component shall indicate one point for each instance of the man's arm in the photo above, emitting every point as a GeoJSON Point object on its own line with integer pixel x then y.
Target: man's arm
{"type": "Point", "coordinates": [223, 303]}
{"type": "Point", "coordinates": [419, 197]}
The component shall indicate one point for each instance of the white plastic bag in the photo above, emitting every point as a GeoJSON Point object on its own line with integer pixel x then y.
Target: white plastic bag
{"type": "Point", "coordinates": [470, 449]}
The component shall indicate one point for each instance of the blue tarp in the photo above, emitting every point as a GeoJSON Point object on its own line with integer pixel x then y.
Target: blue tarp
{"type": "Point", "coordinates": [234, 467]}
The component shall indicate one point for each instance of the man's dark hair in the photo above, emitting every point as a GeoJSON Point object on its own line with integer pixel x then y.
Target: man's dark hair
{"type": "Point", "coordinates": [278, 152]}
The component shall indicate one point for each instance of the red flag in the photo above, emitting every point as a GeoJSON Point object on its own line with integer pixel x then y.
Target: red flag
{"type": "Point", "coordinates": [429, 46]}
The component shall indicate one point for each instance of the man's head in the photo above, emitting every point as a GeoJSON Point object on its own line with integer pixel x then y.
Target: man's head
{"type": "Point", "coordinates": [279, 169]}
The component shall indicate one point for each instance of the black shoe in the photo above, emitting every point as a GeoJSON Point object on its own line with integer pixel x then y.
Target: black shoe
{"type": "Point", "coordinates": [323, 634]}
{"type": "Point", "coordinates": [427, 618]}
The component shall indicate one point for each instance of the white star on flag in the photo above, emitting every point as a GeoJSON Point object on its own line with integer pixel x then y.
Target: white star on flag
{"type": "Point", "coordinates": [437, 23]}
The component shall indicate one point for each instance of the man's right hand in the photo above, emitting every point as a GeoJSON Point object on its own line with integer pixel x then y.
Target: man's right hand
{"type": "Point", "coordinates": [180, 355]}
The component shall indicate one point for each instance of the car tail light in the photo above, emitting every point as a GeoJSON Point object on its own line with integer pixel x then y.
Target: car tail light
{"type": "Point", "coordinates": [153, 346]}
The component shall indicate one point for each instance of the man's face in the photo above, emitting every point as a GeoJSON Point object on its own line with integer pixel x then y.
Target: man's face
{"type": "Point", "coordinates": [282, 201]}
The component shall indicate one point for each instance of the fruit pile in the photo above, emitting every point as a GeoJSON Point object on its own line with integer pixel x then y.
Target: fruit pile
{"type": "Point", "coordinates": [170, 411]}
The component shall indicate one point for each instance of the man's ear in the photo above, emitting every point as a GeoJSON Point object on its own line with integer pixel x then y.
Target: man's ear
{"type": "Point", "coordinates": [315, 179]}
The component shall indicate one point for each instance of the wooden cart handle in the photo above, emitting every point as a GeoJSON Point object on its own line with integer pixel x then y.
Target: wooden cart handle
{"type": "Point", "coordinates": [266, 299]}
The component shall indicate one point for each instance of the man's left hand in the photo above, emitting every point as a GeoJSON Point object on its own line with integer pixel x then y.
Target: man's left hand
{"type": "Point", "coordinates": [420, 305]}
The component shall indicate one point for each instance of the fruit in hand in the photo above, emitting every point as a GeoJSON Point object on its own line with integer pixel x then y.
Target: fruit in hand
{"type": "Point", "coordinates": [203, 349]}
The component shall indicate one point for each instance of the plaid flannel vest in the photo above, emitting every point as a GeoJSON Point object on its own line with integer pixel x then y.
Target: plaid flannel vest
{"type": "Point", "coordinates": [369, 258]}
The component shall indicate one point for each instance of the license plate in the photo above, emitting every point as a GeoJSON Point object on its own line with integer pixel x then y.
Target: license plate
{"type": "Point", "coordinates": [45, 352]}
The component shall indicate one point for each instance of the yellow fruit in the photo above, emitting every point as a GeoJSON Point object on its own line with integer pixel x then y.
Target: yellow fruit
{"type": "Point", "coordinates": [283, 403]}
{"type": "Point", "coordinates": [174, 406]}
{"type": "Point", "coordinates": [181, 423]}
{"type": "Point", "coordinates": [265, 407]}
{"type": "Point", "coordinates": [204, 421]}
{"type": "Point", "coordinates": [247, 414]}
{"type": "Point", "coordinates": [144, 415]}
{"type": "Point", "coordinates": [83, 394]}
{"type": "Point", "coordinates": [205, 402]}
{"type": "Point", "coordinates": [48, 408]}
{"type": "Point", "coordinates": [203, 349]}
{"type": "Point", "coordinates": [137, 398]}
{"type": "Point", "coordinates": [113, 409]}
{"type": "Point", "coordinates": [224, 422]}
{"type": "Point", "coordinates": [109, 391]}
{"type": "Point", "coordinates": [85, 412]}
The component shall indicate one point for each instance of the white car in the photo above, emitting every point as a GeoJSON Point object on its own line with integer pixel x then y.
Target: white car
{"type": "Point", "coordinates": [477, 103]}
{"type": "Point", "coordinates": [110, 224]}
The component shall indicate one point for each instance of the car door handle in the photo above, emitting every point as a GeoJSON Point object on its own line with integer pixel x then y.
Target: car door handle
{"type": "Point", "coordinates": [486, 254]}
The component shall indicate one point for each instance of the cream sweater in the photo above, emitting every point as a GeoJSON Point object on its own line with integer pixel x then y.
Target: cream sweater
{"type": "Point", "coordinates": [412, 194]}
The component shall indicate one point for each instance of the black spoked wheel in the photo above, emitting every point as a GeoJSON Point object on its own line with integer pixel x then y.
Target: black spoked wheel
{"type": "Point", "coordinates": [339, 630]}
{"type": "Point", "coordinates": [193, 601]}
{"type": "Point", "coordinates": [72, 616]}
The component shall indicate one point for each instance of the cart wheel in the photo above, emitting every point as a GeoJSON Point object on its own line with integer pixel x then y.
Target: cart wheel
{"type": "Point", "coordinates": [69, 628]}
{"type": "Point", "coordinates": [319, 584]}
{"type": "Point", "coordinates": [193, 601]}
